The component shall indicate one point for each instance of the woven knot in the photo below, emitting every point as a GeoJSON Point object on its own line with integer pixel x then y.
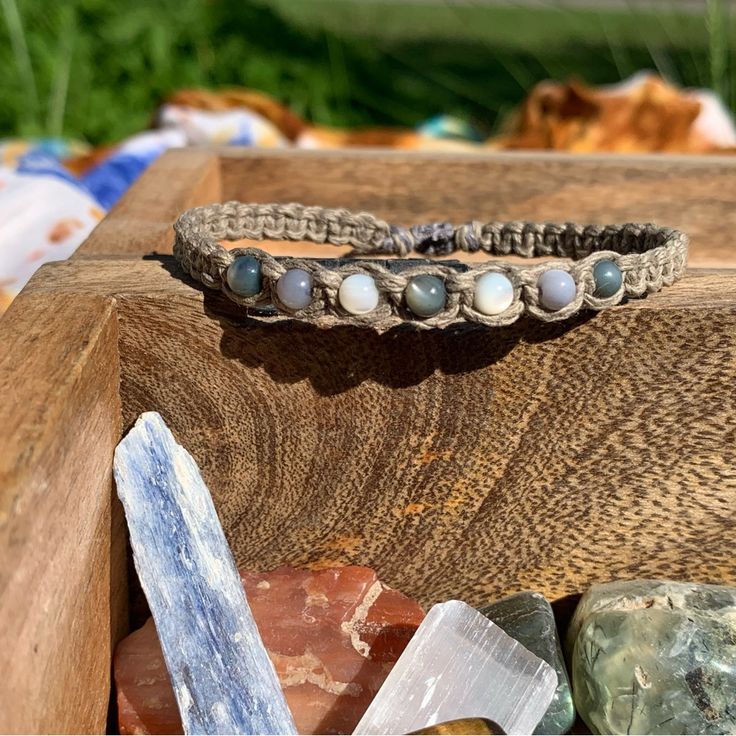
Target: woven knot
{"type": "Point", "coordinates": [399, 241]}
{"type": "Point", "coordinates": [434, 238]}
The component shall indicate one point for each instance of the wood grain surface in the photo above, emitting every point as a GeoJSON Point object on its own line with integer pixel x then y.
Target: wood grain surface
{"type": "Point", "coordinates": [62, 543]}
{"type": "Point", "coordinates": [141, 221]}
{"type": "Point", "coordinates": [463, 463]}
{"type": "Point", "coordinates": [694, 193]}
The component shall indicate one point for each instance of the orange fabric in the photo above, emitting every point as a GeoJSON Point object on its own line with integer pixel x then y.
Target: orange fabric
{"type": "Point", "coordinates": [653, 116]}
{"type": "Point", "coordinates": [287, 122]}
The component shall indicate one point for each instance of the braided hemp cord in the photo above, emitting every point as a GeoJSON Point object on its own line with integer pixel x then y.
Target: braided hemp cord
{"type": "Point", "coordinates": [649, 258]}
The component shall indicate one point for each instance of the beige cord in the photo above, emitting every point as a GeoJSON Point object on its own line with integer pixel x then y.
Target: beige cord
{"type": "Point", "coordinates": [649, 258]}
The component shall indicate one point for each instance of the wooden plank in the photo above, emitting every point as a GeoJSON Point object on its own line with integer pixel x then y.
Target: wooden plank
{"type": "Point", "coordinates": [141, 221]}
{"type": "Point", "coordinates": [62, 544]}
{"type": "Point", "coordinates": [160, 277]}
{"type": "Point", "coordinates": [540, 456]}
{"type": "Point", "coordinates": [696, 194]}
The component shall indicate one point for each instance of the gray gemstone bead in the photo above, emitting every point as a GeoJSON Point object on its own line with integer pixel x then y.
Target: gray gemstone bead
{"type": "Point", "coordinates": [556, 289]}
{"type": "Point", "coordinates": [426, 295]}
{"type": "Point", "coordinates": [608, 278]}
{"type": "Point", "coordinates": [294, 289]}
{"type": "Point", "coordinates": [244, 276]}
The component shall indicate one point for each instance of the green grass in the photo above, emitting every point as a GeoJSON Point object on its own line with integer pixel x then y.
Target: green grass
{"type": "Point", "coordinates": [538, 28]}
{"type": "Point", "coordinates": [96, 70]}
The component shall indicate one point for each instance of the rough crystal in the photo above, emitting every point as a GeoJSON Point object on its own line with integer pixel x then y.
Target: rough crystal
{"type": "Point", "coordinates": [333, 636]}
{"type": "Point", "coordinates": [655, 657]}
{"type": "Point", "coordinates": [461, 665]}
{"type": "Point", "coordinates": [223, 684]}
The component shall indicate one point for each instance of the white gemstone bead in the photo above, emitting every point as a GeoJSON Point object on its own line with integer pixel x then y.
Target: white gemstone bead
{"type": "Point", "coordinates": [493, 293]}
{"type": "Point", "coordinates": [358, 294]}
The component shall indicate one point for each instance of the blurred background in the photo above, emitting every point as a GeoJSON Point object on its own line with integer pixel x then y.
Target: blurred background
{"type": "Point", "coordinates": [93, 90]}
{"type": "Point", "coordinates": [96, 70]}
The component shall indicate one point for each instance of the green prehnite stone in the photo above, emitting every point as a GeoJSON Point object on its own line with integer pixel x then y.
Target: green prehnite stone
{"type": "Point", "coordinates": [657, 657]}
{"type": "Point", "coordinates": [528, 618]}
{"type": "Point", "coordinates": [607, 276]}
{"type": "Point", "coordinates": [244, 276]}
{"type": "Point", "coordinates": [426, 295]}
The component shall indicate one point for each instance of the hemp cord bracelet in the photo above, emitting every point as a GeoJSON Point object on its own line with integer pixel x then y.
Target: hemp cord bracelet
{"type": "Point", "coordinates": [601, 266]}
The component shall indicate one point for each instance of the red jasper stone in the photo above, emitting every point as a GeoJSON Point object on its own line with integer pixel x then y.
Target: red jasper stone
{"type": "Point", "coordinates": [333, 635]}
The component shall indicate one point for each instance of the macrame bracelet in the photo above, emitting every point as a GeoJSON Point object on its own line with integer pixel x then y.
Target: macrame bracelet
{"type": "Point", "coordinates": [603, 264]}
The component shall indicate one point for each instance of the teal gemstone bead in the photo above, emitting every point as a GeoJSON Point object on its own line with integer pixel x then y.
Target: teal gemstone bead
{"type": "Point", "coordinates": [426, 295]}
{"type": "Point", "coordinates": [608, 278]}
{"type": "Point", "coordinates": [244, 276]}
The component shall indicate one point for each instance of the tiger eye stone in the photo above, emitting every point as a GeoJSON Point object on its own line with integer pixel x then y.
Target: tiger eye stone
{"type": "Point", "coordinates": [464, 726]}
{"type": "Point", "coordinates": [607, 276]}
{"type": "Point", "coordinates": [426, 295]}
{"type": "Point", "coordinates": [244, 276]}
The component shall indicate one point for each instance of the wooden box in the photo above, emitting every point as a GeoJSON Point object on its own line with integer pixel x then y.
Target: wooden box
{"type": "Point", "coordinates": [469, 463]}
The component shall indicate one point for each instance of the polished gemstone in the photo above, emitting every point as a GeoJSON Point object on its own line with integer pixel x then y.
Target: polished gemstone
{"type": "Point", "coordinates": [528, 618]}
{"type": "Point", "coordinates": [358, 294]}
{"type": "Point", "coordinates": [494, 293]}
{"type": "Point", "coordinates": [224, 684]}
{"type": "Point", "coordinates": [425, 295]}
{"type": "Point", "coordinates": [333, 635]}
{"type": "Point", "coordinates": [464, 726]}
{"type": "Point", "coordinates": [655, 657]}
{"type": "Point", "coordinates": [460, 664]}
{"type": "Point", "coordinates": [556, 289]}
{"type": "Point", "coordinates": [607, 276]}
{"type": "Point", "coordinates": [244, 276]}
{"type": "Point", "coordinates": [294, 289]}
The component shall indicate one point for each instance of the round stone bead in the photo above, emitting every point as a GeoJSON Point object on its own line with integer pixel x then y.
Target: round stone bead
{"type": "Point", "coordinates": [493, 293]}
{"type": "Point", "coordinates": [607, 276]}
{"type": "Point", "coordinates": [556, 289]}
{"type": "Point", "coordinates": [244, 276]}
{"type": "Point", "coordinates": [358, 294]}
{"type": "Point", "coordinates": [426, 295]}
{"type": "Point", "coordinates": [294, 289]}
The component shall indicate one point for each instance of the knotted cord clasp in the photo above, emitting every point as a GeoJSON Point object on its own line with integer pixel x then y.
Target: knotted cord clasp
{"type": "Point", "coordinates": [434, 238]}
